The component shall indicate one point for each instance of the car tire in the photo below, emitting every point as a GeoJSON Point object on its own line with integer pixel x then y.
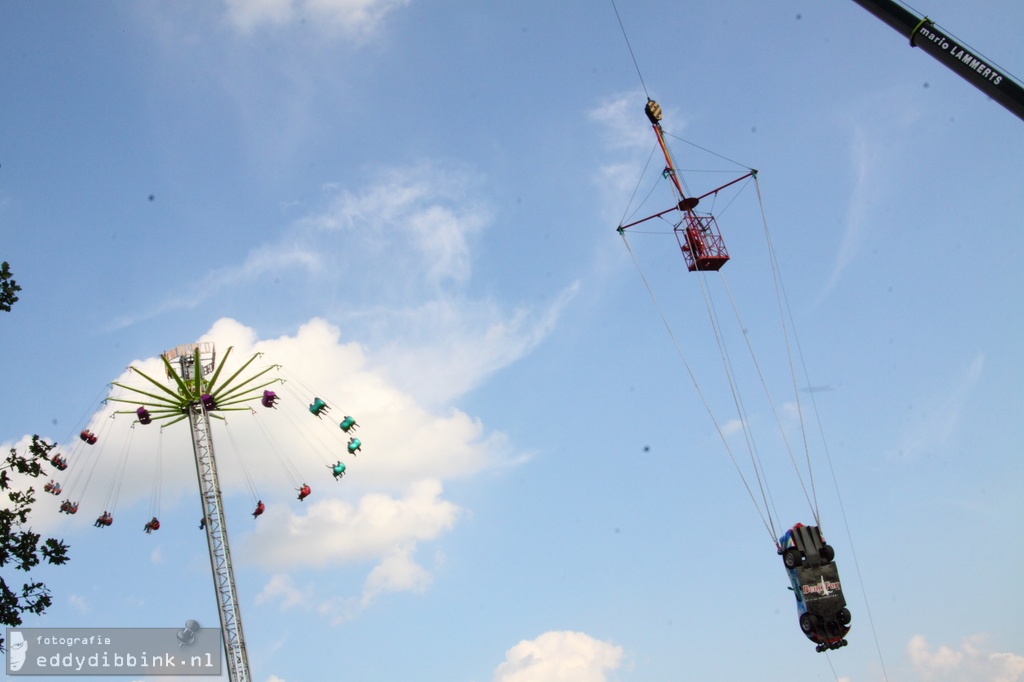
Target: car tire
{"type": "Point", "coordinates": [791, 557]}
{"type": "Point", "coordinates": [807, 623]}
{"type": "Point", "coordinates": [827, 553]}
{"type": "Point", "coordinates": [844, 616]}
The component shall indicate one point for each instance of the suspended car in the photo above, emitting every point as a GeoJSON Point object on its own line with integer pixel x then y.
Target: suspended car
{"type": "Point", "coordinates": [348, 424]}
{"type": "Point", "coordinates": [338, 470]}
{"type": "Point", "coordinates": [354, 444]}
{"type": "Point", "coordinates": [821, 607]}
{"type": "Point", "coordinates": [260, 508]}
{"type": "Point", "coordinates": [208, 402]}
{"type": "Point", "coordinates": [88, 436]}
{"type": "Point", "coordinates": [68, 507]}
{"type": "Point", "coordinates": [52, 487]}
{"type": "Point", "coordinates": [59, 462]}
{"type": "Point", "coordinates": [304, 492]}
{"type": "Point", "coordinates": [105, 519]}
{"type": "Point", "coordinates": [144, 416]}
{"type": "Point", "coordinates": [268, 399]}
{"type": "Point", "coordinates": [318, 407]}
{"type": "Point", "coordinates": [152, 525]}
{"type": "Point", "coordinates": [820, 604]}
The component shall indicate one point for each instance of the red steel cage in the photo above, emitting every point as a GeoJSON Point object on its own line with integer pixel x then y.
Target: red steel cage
{"type": "Point", "coordinates": [701, 242]}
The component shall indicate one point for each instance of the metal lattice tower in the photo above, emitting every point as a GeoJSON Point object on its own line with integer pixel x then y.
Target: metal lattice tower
{"type": "Point", "coordinates": [199, 396]}
{"type": "Point", "coordinates": [216, 525]}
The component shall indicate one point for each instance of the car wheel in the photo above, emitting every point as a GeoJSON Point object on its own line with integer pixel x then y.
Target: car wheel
{"type": "Point", "coordinates": [827, 553]}
{"type": "Point", "coordinates": [791, 557]}
{"type": "Point", "coordinates": [844, 616]}
{"type": "Point", "coordinates": [807, 623]}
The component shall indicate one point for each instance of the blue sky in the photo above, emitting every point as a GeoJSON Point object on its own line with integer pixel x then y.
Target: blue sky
{"type": "Point", "coordinates": [411, 206]}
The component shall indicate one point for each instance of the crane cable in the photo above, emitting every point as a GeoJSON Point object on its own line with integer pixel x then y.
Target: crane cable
{"type": "Point", "coordinates": [727, 364]}
{"type": "Point", "coordinates": [327, 427]}
{"type": "Point", "coordinates": [789, 355]}
{"type": "Point", "coordinates": [630, 47]}
{"type": "Point", "coordinates": [700, 393]}
{"type": "Point", "coordinates": [723, 351]}
{"type": "Point", "coordinates": [249, 482]}
{"type": "Point", "coordinates": [114, 492]}
{"type": "Point", "coordinates": [158, 466]}
{"type": "Point", "coordinates": [839, 497]}
{"type": "Point", "coordinates": [294, 475]}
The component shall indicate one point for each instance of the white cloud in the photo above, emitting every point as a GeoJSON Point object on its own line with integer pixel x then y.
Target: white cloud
{"type": "Point", "coordinates": [972, 662]}
{"type": "Point", "coordinates": [563, 656]}
{"type": "Point", "coordinates": [280, 588]}
{"type": "Point", "coordinates": [732, 427]}
{"type": "Point", "coordinates": [397, 572]}
{"type": "Point", "coordinates": [353, 18]}
{"type": "Point", "coordinates": [450, 347]}
{"type": "Point", "coordinates": [335, 532]}
{"type": "Point", "coordinates": [624, 123]}
{"type": "Point", "coordinates": [78, 603]}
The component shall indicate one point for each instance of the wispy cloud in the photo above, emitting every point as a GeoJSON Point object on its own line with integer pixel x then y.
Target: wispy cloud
{"type": "Point", "coordinates": [621, 120]}
{"type": "Point", "coordinates": [877, 134]}
{"type": "Point", "coordinates": [397, 255]}
{"type": "Point", "coordinates": [352, 18]}
{"type": "Point", "coordinates": [281, 589]}
{"type": "Point", "coordinates": [864, 160]}
{"type": "Point", "coordinates": [623, 133]}
{"type": "Point", "coordinates": [261, 262]}
{"type": "Point", "coordinates": [413, 226]}
{"type": "Point", "coordinates": [939, 418]}
{"type": "Point", "coordinates": [78, 603]}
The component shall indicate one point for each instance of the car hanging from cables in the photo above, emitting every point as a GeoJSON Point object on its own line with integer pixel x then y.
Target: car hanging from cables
{"type": "Point", "coordinates": [810, 563]}
{"type": "Point", "coordinates": [820, 604]}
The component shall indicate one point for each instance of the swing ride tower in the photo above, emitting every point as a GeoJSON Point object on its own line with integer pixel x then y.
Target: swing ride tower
{"type": "Point", "coordinates": [199, 395]}
{"type": "Point", "coordinates": [193, 368]}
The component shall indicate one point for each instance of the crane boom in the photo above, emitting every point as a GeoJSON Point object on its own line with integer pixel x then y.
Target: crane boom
{"type": "Point", "coordinates": [972, 67]}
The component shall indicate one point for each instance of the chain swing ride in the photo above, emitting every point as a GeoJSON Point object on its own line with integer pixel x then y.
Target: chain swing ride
{"type": "Point", "coordinates": [199, 393]}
